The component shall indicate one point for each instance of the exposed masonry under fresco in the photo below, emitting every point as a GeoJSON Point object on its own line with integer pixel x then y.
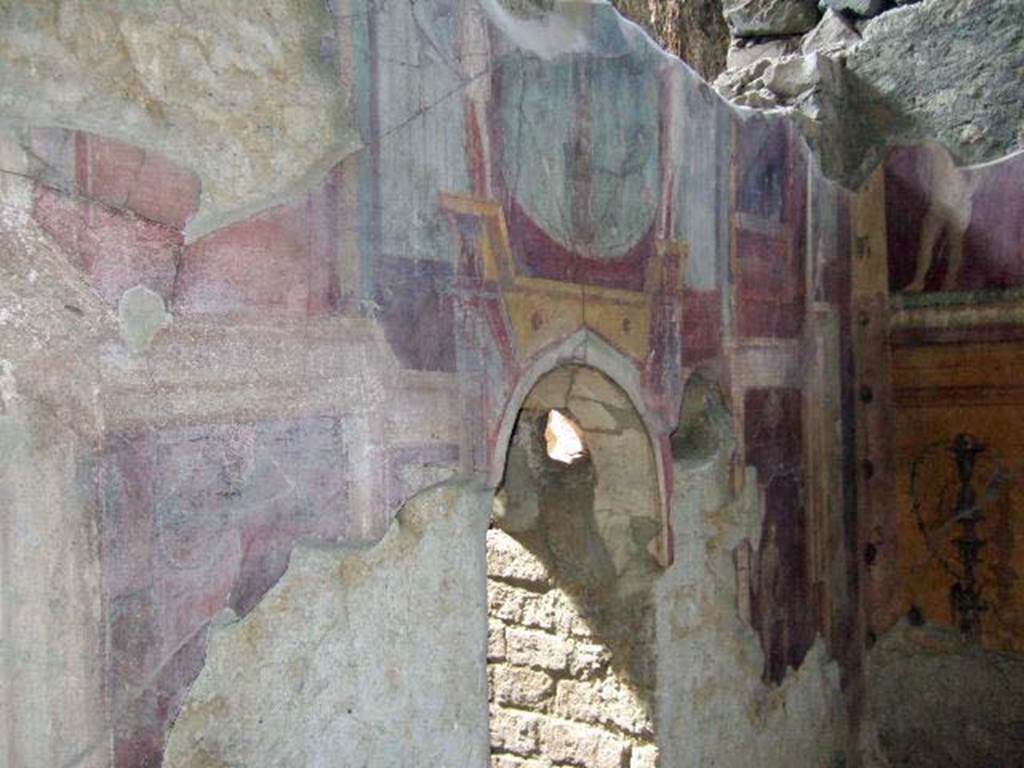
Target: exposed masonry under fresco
{"type": "Point", "coordinates": [558, 692]}
{"type": "Point", "coordinates": [572, 650]}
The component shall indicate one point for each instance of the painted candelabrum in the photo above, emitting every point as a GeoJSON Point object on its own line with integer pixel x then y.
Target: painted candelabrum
{"type": "Point", "coordinates": [944, 485]}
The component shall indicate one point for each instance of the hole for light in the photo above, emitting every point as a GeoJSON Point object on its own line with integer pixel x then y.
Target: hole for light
{"type": "Point", "coordinates": [563, 438]}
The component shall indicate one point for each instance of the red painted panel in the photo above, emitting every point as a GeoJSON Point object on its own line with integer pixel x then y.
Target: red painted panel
{"type": "Point", "coordinates": [115, 249]}
{"type": "Point", "coordinates": [770, 287]}
{"type": "Point", "coordinates": [258, 266]}
{"type": "Point", "coordinates": [702, 325]}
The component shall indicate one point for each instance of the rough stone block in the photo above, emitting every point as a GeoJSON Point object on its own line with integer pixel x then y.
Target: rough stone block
{"type": "Point", "coordinates": [588, 660]}
{"type": "Point", "coordinates": [645, 756]}
{"type": "Point", "coordinates": [521, 686]}
{"type": "Point", "coordinates": [553, 611]}
{"type": "Point", "coordinates": [767, 18]}
{"type": "Point", "coordinates": [603, 702]}
{"type": "Point", "coordinates": [584, 746]}
{"type": "Point", "coordinates": [530, 648]}
{"type": "Point", "coordinates": [795, 75]}
{"type": "Point", "coordinates": [506, 602]}
{"type": "Point", "coordinates": [860, 7]}
{"type": "Point", "coordinates": [967, 43]}
{"type": "Point", "coordinates": [511, 761]}
{"type": "Point", "coordinates": [834, 33]}
{"type": "Point", "coordinates": [508, 559]}
{"type": "Point", "coordinates": [495, 640]}
{"type": "Point", "coordinates": [516, 732]}
{"type": "Point", "coordinates": [743, 55]}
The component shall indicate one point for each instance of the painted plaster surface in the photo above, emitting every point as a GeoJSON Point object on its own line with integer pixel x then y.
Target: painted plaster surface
{"type": "Point", "coordinates": [953, 258]}
{"type": "Point", "coordinates": [953, 228]}
{"type": "Point", "coordinates": [52, 625]}
{"type": "Point", "coordinates": [941, 278]}
{"type": "Point", "coordinates": [51, 595]}
{"type": "Point", "coordinates": [248, 97]}
{"type": "Point", "coordinates": [713, 706]}
{"type": "Point", "coordinates": [376, 330]}
{"type": "Point", "coordinates": [356, 657]}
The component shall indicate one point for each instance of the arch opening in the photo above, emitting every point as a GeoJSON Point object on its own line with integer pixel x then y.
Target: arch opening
{"type": "Point", "coordinates": [571, 656]}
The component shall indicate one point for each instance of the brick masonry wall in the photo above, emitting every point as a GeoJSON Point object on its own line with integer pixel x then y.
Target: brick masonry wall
{"type": "Point", "coordinates": [561, 693]}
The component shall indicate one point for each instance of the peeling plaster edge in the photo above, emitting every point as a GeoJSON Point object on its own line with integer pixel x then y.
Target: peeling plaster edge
{"type": "Point", "coordinates": [308, 549]}
{"type": "Point", "coordinates": [203, 224]}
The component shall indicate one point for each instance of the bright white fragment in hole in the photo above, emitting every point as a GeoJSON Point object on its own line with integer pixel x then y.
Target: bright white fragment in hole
{"type": "Point", "coordinates": [563, 438]}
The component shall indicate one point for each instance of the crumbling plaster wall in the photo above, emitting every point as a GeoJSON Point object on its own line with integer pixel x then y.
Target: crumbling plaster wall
{"type": "Point", "coordinates": [52, 682]}
{"type": "Point", "coordinates": [940, 700]}
{"type": "Point", "coordinates": [246, 95]}
{"type": "Point", "coordinates": [371, 657]}
{"type": "Point", "coordinates": [327, 684]}
{"type": "Point", "coordinates": [713, 706]}
{"type": "Point", "coordinates": [325, 359]}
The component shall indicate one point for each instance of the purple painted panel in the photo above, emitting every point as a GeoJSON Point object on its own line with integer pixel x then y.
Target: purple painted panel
{"type": "Point", "coordinates": [255, 267]}
{"type": "Point", "coordinates": [762, 167]}
{"type": "Point", "coordinates": [198, 519]}
{"type": "Point", "coordinates": [702, 325]}
{"type": "Point", "coordinates": [415, 299]}
{"type": "Point", "coordinates": [994, 247]}
{"type": "Point", "coordinates": [539, 255]}
{"type": "Point", "coordinates": [784, 613]}
{"type": "Point", "coordinates": [769, 229]}
{"type": "Point", "coordinates": [770, 286]}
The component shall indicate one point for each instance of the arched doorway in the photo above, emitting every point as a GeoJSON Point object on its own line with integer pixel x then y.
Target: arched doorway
{"type": "Point", "coordinates": [570, 568]}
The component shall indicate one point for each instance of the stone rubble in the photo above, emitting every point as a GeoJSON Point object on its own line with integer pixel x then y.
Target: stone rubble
{"type": "Point", "coordinates": [857, 83]}
{"type": "Point", "coordinates": [754, 18]}
{"type": "Point", "coordinates": [833, 34]}
{"type": "Point", "coordinates": [865, 8]}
